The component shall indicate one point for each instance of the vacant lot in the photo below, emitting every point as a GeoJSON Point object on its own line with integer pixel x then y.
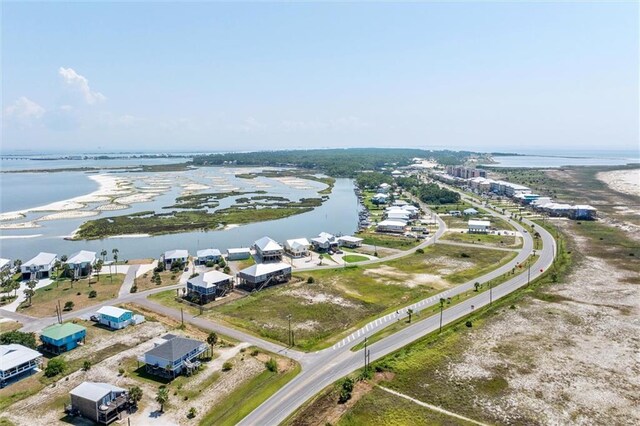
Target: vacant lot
{"type": "Point", "coordinates": [167, 278]}
{"type": "Point", "coordinates": [484, 239]}
{"type": "Point", "coordinates": [392, 241]}
{"type": "Point", "coordinates": [46, 299]}
{"type": "Point", "coordinates": [341, 299]}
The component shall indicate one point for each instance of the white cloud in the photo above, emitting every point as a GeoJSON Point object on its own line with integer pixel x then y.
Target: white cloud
{"type": "Point", "coordinates": [81, 84]}
{"type": "Point", "coordinates": [24, 109]}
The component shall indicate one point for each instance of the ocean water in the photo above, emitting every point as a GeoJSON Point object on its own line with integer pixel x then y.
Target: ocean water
{"type": "Point", "coordinates": [338, 215]}
{"type": "Point", "coordinates": [560, 158]}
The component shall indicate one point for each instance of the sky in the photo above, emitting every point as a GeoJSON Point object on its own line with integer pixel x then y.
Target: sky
{"type": "Point", "coordinates": [177, 76]}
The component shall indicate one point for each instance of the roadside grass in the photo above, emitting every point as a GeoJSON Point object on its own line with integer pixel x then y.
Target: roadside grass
{"type": "Point", "coordinates": [45, 300]}
{"type": "Point", "coordinates": [488, 239]}
{"type": "Point", "coordinates": [342, 299]}
{"type": "Point", "coordinates": [167, 278]}
{"type": "Point", "coordinates": [435, 309]}
{"type": "Point", "coordinates": [6, 422]}
{"type": "Point", "coordinates": [168, 298]}
{"type": "Point", "coordinates": [247, 397]}
{"type": "Point", "coordinates": [417, 369]}
{"type": "Point", "coordinates": [379, 405]}
{"type": "Point", "coordinates": [9, 326]}
{"type": "Point", "coordinates": [352, 258]}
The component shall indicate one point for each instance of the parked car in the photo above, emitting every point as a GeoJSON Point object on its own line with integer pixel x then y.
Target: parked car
{"type": "Point", "coordinates": [186, 269]}
{"type": "Point", "coordinates": [94, 318]}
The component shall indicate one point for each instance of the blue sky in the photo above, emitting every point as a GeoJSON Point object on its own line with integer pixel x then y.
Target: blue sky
{"type": "Point", "coordinates": [235, 76]}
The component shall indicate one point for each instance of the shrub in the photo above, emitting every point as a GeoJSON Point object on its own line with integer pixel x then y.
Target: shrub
{"type": "Point", "coordinates": [226, 270]}
{"type": "Point", "coordinates": [195, 274]}
{"type": "Point", "coordinates": [210, 264]}
{"type": "Point", "coordinates": [69, 305]}
{"type": "Point", "coordinates": [464, 255]}
{"type": "Point", "coordinates": [86, 365]}
{"type": "Point", "coordinates": [255, 352]}
{"type": "Point", "coordinates": [346, 389]}
{"type": "Point", "coordinates": [121, 371]}
{"type": "Point", "coordinates": [227, 366]}
{"type": "Point", "coordinates": [420, 251]}
{"type": "Point", "coordinates": [468, 323]}
{"type": "Point", "coordinates": [310, 280]}
{"type": "Point", "coordinates": [25, 339]}
{"type": "Point", "coordinates": [54, 367]}
{"type": "Point", "coordinates": [271, 365]}
{"type": "Point", "coordinates": [134, 289]}
{"type": "Point", "coordinates": [93, 294]}
{"type": "Point", "coordinates": [192, 413]}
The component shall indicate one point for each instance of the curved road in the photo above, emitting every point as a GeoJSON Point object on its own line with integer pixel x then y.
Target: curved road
{"type": "Point", "coordinates": [325, 367]}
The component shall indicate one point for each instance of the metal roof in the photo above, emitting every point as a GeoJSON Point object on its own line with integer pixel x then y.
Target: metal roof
{"type": "Point", "coordinates": [83, 256]}
{"type": "Point", "coordinates": [265, 268]}
{"type": "Point", "coordinates": [13, 355]}
{"type": "Point", "coordinates": [479, 223]}
{"type": "Point", "coordinates": [4, 263]}
{"type": "Point", "coordinates": [94, 391]}
{"type": "Point", "coordinates": [267, 244]}
{"type": "Point", "coordinates": [392, 223]}
{"type": "Point", "coordinates": [209, 279]}
{"type": "Point", "coordinates": [176, 254]}
{"type": "Point", "coordinates": [239, 250]}
{"type": "Point", "coordinates": [60, 331]}
{"type": "Point", "coordinates": [208, 252]}
{"type": "Point", "coordinates": [41, 259]}
{"type": "Point", "coordinates": [175, 348]}
{"type": "Point", "coordinates": [112, 311]}
{"type": "Point", "coordinates": [297, 243]}
{"type": "Point", "coordinates": [350, 239]}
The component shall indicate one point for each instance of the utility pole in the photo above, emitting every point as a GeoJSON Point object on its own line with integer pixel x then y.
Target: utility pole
{"type": "Point", "coordinates": [529, 274]}
{"type": "Point", "coordinates": [490, 293]}
{"type": "Point", "coordinates": [441, 307]}
{"type": "Point", "coordinates": [365, 355]}
{"type": "Point", "coordinates": [182, 316]}
{"type": "Point", "coordinates": [290, 335]}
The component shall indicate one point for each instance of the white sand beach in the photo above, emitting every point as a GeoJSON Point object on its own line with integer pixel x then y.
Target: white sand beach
{"type": "Point", "coordinates": [19, 225]}
{"type": "Point", "coordinates": [74, 214]}
{"type": "Point", "coordinates": [625, 181]}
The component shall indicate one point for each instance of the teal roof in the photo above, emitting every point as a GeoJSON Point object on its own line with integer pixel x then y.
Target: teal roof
{"type": "Point", "coordinates": [60, 331]}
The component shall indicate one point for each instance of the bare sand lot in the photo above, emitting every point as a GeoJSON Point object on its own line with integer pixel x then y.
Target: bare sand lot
{"type": "Point", "coordinates": [625, 181]}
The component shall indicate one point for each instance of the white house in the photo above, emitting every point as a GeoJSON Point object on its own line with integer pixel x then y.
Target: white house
{"type": "Point", "coordinates": [297, 247]}
{"type": "Point", "coordinates": [350, 241]}
{"type": "Point", "coordinates": [470, 211]}
{"type": "Point", "coordinates": [171, 256]}
{"type": "Point", "coordinates": [268, 250]}
{"type": "Point", "coordinates": [379, 198]}
{"type": "Point", "coordinates": [17, 360]}
{"type": "Point", "coordinates": [324, 241]}
{"type": "Point", "coordinates": [479, 226]}
{"type": "Point", "coordinates": [39, 267]}
{"type": "Point", "coordinates": [384, 188]}
{"type": "Point", "coordinates": [114, 317]}
{"type": "Point", "coordinates": [81, 263]}
{"type": "Point", "coordinates": [5, 265]}
{"type": "Point", "coordinates": [398, 215]}
{"type": "Point", "coordinates": [396, 226]}
{"type": "Point", "coordinates": [208, 255]}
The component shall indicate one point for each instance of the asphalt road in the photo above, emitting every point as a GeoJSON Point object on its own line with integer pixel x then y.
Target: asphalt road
{"type": "Point", "coordinates": [325, 367]}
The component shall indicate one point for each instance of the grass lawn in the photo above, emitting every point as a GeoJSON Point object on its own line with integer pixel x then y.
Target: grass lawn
{"type": "Point", "coordinates": [379, 407]}
{"type": "Point", "coordinates": [351, 258]}
{"type": "Point", "coordinates": [488, 239]}
{"type": "Point", "coordinates": [9, 326]}
{"type": "Point", "coordinates": [387, 240]}
{"type": "Point", "coordinates": [45, 300]}
{"type": "Point", "coordinates": [342, 299]}
{"type": "Point", "coordinates": [247, 397]}
{"type": "Point", "coordinates": [241, 264]}
{"type": "Point", "coordinates": [167, 278]}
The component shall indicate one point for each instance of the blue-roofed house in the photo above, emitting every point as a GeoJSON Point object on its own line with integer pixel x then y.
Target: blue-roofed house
{"type": "Point", "coordinates": [207, 256]}
{"type": "Point", "coordinates": [58, 338]}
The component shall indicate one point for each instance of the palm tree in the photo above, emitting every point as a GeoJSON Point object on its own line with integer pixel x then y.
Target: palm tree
{"type": "Point", "coordinates": [410, 313]}
{"type": "Point", "coordinates": [15, 286]}
{"type": "Point", "coordinates": [29, 291]}
{"type": "Point", "coordinates": [114, 253]}
{"type": "Point", "coordinates": [162, 397]}
{"type": "Point", "coordinates": [17, 263]}
{"type": "Point", "coordinates": [442, 301]}
{"type": "Point", "coordinates": [98, 267]}
{"type": "Point", "coordinates": [135, 395]}
{"type": "Point", "coordinates": [56, 267]}
{"type": "Point", "coordinates": [212, 339]}
{"type": "Point", "coordinates": [476, 285]}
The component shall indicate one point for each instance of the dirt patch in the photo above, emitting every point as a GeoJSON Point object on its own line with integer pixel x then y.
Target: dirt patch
{"type": "Point", "coordinates": [311, 297]}
{"type": "Point", "coordinates": [625, 181]}
{"type": "Point", "coordinates": [584, 369]}
{"type": "Point", "coordinates": [390, 275]}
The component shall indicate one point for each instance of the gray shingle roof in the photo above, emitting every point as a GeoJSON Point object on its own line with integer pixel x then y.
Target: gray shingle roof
{"type": "Point", "coordinates": [175, 348]}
